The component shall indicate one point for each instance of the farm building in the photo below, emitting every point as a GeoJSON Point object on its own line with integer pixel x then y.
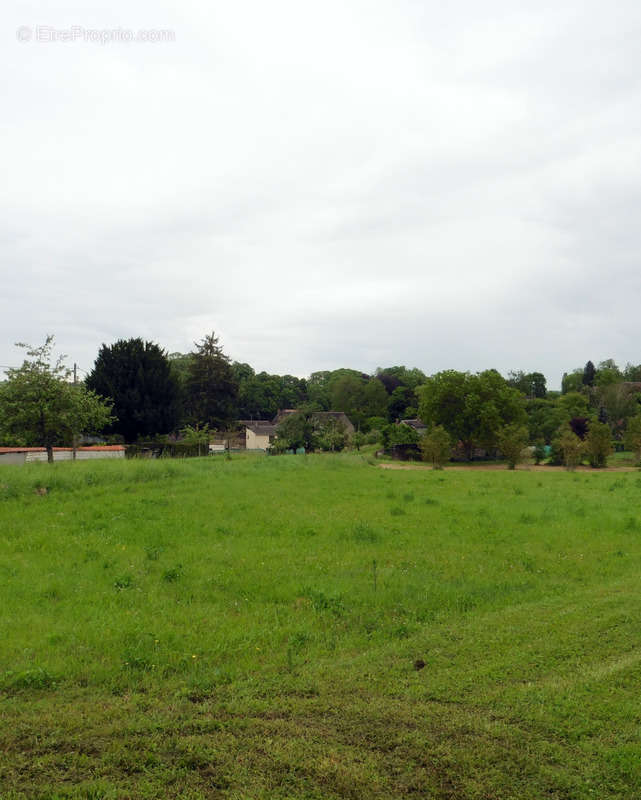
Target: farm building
{"type": "Point", "coordinates": [260, 433]}
{"type": "Point", "coordinates": [417, 424]}
{"type": "Point", "coordinates": [23, 455]}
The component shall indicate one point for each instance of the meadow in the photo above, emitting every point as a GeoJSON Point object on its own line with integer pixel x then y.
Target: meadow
{"type": "Point", "coordinates": [316, 627]}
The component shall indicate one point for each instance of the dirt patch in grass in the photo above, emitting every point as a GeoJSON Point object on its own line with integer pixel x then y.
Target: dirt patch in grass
{"type": "Point", "coordinates": [502, 467]}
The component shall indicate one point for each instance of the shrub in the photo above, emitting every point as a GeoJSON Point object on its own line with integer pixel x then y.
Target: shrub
{"type": "Point", "coordinates": [399, 434]}
{"type": "Point", "coordinates": [436, 447]}
{"type": "Point", "coordinates": [572, 448]}
{"type": "Point", "coordinates": [331, 435]}
{"type": "Point", "coordinates": [598, 444]}
{"type": "Point", "coordinates": [512, 442]}
{"type": "Point", "coordinates": [632, 436]}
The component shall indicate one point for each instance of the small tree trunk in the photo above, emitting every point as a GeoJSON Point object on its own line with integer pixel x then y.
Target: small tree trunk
{"type": "Point", "coordinates": [49, 453]}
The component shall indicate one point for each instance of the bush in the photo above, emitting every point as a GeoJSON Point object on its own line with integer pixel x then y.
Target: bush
{"type": "Point", "coordinates": [572, 448]}
{"type": "Point", "coordinates": [436, 447]}
{"type": "Point", "coordinates": [332, 436]}
{"type": "Point", "coordinates": [399, 434]}
{"type": "Point", "coordinates": [632, 436]}
{"type": "Point", "coordinates": [512, 442]}
{"type": "Point", "coordinates": [598, 444]}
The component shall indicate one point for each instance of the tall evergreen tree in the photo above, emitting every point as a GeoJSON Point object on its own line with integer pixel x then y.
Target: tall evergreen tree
{"type": "Point", "coordinates": [589, 373]}
{"type": "Point", "coordinates": [211, 390]}
{"type": "Point", "coordinates": [137, 377]}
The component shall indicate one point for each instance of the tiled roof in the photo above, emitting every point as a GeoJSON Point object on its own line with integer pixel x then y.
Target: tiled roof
{"type": "Point", "coordinates": [261, 428]}
{"type": "Point", "coordinates": [100, 447]}
{"type": "Point", "coordinates": [417, 424]}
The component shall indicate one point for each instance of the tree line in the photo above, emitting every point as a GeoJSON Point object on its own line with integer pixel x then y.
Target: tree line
{"type": "Point", "coordinates": [136, 391]}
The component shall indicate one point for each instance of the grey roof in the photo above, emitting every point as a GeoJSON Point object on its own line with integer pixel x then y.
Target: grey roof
{"type": "Point", "coordinates": [417, 424]}
{"type": "Point", "coordinates": [341, 416]}
{"type": "Point", "coordinates": [261, 427]}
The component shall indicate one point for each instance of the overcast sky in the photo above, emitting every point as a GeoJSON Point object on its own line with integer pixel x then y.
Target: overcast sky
{"type": "Point", "coordinates": [341, 183]}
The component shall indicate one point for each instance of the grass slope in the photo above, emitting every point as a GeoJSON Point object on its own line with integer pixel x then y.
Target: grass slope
{"type": "Point", "coordinates": [253, 628]}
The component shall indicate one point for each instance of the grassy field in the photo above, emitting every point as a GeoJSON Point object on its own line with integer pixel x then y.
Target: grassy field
{"type": "Point", "coordinates": [316, 627]}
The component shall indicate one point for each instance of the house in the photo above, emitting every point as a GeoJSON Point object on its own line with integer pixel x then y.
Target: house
{"type": "Point", "coordinates": [259, 434]}
{"type": "Point", "coordinates": [23, 455]}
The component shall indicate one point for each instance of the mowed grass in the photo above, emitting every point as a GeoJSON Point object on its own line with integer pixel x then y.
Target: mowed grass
{"type": "Point", "coordinates": [316, 627]}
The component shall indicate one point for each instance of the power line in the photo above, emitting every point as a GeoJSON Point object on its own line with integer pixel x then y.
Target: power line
{"type": "Point", "coordinates": [14, 366]}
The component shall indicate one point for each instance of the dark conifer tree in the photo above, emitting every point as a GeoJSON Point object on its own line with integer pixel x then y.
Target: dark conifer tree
{"type": "Point", "coordinates": [589, 373]}
{"type": "Point", "coordinates": [137, 376]}
{"type": "Point", "coordinates": [211, 390]}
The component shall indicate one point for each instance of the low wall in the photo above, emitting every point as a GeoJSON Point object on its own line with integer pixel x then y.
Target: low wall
{"type": "Point", "coordinates": [39, 454]}
{"type": "Point", "coordinates": [13, 458]}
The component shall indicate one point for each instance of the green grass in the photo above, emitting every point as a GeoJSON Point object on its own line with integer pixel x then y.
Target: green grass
{"type": "Point", "coordinates": [252, 629]}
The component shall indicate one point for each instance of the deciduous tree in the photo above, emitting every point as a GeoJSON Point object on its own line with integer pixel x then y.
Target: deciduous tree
{"type": "Point", "coordinates": [41, 406]}
{"type": "Point", "coordinates": [471, 408]}
{"type": "Point", "coordinates": [436, 447]}
{"type": "Point", "coordinates": [598, 443]}
{"type": "Point", "coordinates": [512, 440]}
{"type": "Point", "coordinates": [298, 430]}
{"type": "Point", "coordinates": [572, 448]}
{"type": "Point", "coordinates": [632, 437]}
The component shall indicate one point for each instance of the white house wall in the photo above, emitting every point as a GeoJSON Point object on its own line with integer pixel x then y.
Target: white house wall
{"type": "Point", "coordinates": [256, 442]}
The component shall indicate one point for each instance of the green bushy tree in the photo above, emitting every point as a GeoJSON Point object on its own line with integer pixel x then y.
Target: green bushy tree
{"type": "Point", "coordinates": [436, 447]}
{"type": "Point", "coordinates": [598, 444]}
{"type": "Point", "coordinates": [39, 405]}
{"type": "Point", "coordinates": [399, 434]}
{"type": "Point", "coordinates": [331, 435]}
{"type": "Point", "coordinates": [632, 436]}
{"type": "Point", "coordinates": [199, 436]}
{"type": "Point", "coordinates": [512, 441]}
{"type": "Point", "coordinates": [572, 449]}
{"type": "Point", "coordinates": [297, 430]}
{"type": "Point", "coordinates": [471, 408]}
